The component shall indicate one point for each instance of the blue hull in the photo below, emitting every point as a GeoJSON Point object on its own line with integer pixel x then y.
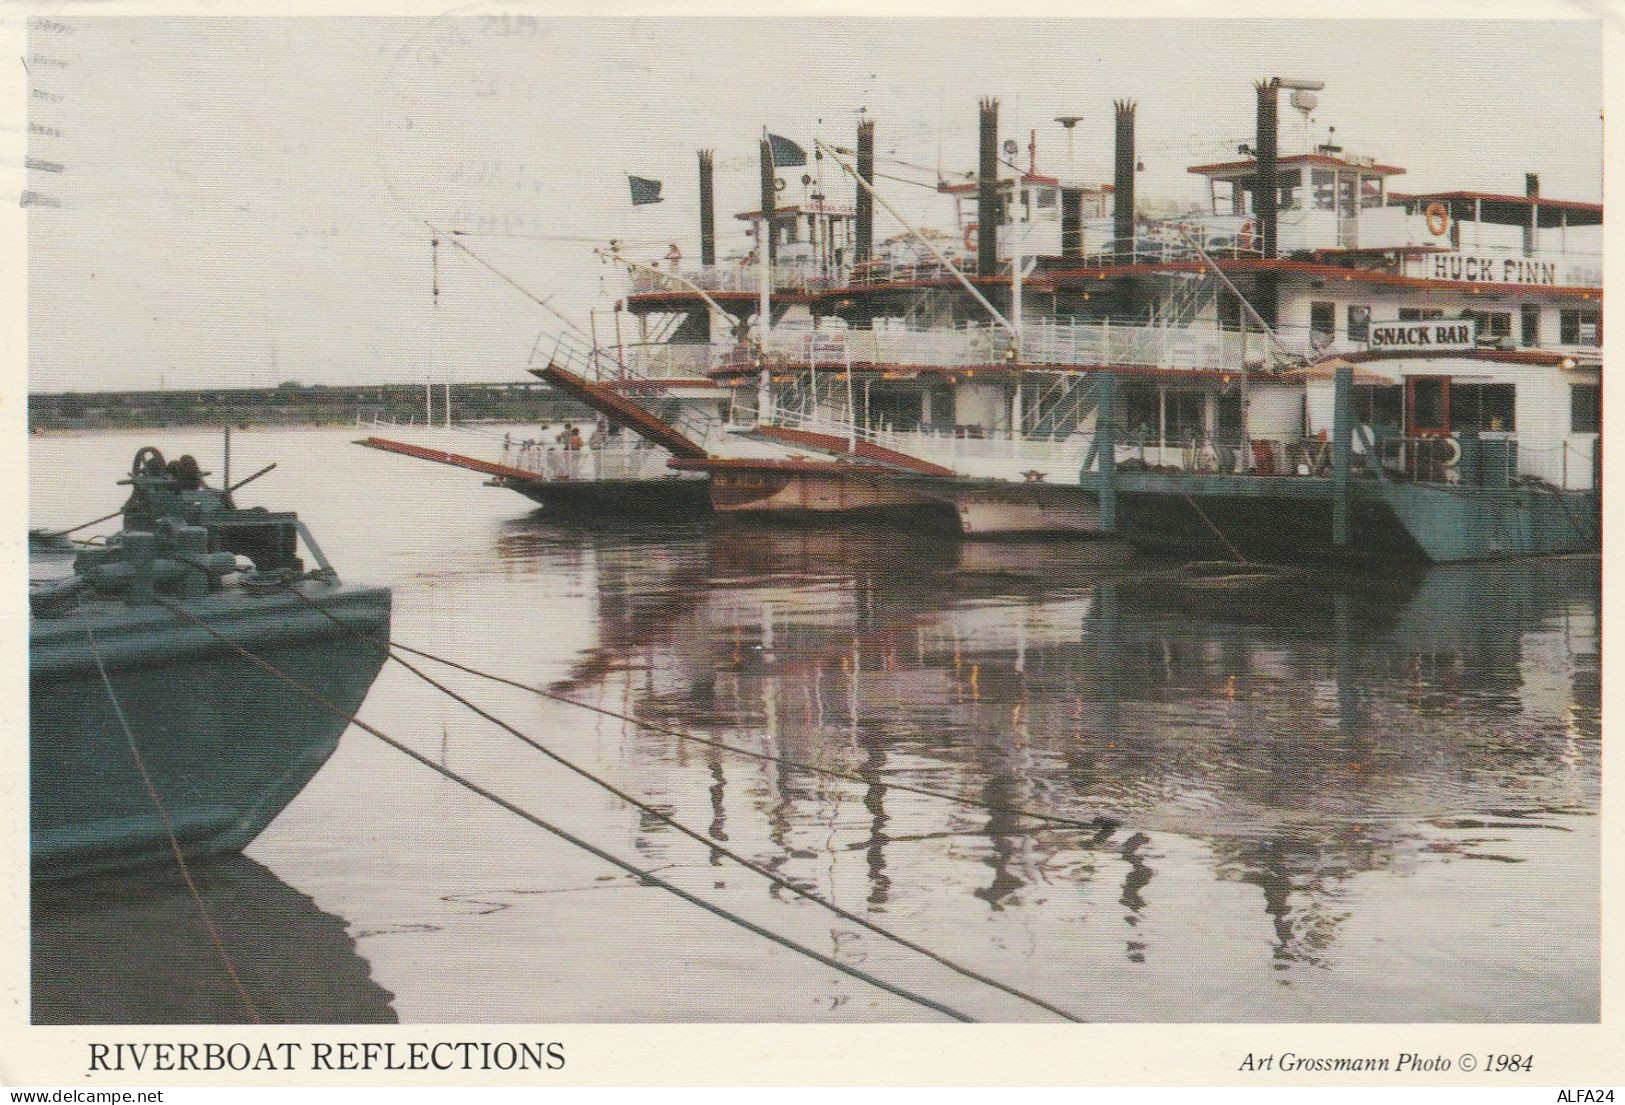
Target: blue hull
{"type": "Point", "coordinates": [227, 745]}
{"type": "Point", "coordinates": [1289, 519]}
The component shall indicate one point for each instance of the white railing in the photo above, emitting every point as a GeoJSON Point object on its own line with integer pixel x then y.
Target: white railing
{"type": "Point", "coordinates": [551, 462]}
{"type": "Point", "coordinates": [788, 276]}
{"type": "Point", "coordinates": [665, 361]}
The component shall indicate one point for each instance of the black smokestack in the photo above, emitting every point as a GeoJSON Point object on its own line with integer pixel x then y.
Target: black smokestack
{"type": "Point", "coordinates": [1071, 222]}
{"type": "Point", "coordinates": [1266, 182]}
{"type": "Point", "coordinates": [866, 202]}
{"type": "Point", "coordinates": [989, 212]}
{"type": "Point", "coordinates": [766, 248]}
{"type": "Point", "coordinates": [1531, 188]}
{"type": "Point", "coordinates": [708, 213]}
{"type": "Point", "coordinates": [1123, 180]}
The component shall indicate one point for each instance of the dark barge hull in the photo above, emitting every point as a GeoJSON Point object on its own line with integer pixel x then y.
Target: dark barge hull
{"type": "Point", "coordinates": [227, 744]}
{"type": "Point", "coordinates": [673, 497]}
{"type": "Point", "coordinates": [1289, 519]}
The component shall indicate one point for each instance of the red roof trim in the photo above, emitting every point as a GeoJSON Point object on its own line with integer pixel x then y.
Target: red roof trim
{"type": "Point", "coordinates": [1219, 168]}
{"type": "Point", "coordinates": [1495, 197]}
{"type": "Point", "coordinates": [1505, 356]}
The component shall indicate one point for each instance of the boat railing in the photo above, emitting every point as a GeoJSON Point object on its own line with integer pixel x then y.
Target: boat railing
{"type": "Point", "coordinates": [666, 360]}
{"type": "Point", "coordinates": [788, 276]}
{"type": "Point", "coordinates": [550, 462]}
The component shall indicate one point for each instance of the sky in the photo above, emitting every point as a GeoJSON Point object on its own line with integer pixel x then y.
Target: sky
{"type": "Point", "coordinates": [244, 201]}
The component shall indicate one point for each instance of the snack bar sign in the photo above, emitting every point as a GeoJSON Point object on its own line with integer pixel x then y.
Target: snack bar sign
{"type": "Point", "coordinates": [1437, 335]}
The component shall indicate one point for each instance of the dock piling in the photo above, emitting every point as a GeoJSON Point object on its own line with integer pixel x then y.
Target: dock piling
{"type": "Point", "coordinates": [1341, 429]}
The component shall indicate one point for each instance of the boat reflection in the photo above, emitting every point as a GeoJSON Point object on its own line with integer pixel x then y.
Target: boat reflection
{"type": "Point", "coordinates": [132, 949]}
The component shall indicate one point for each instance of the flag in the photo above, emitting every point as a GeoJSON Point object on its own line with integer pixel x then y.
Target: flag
{"type": "Point", "coordinates": [643, 190]}
{"type": "Point", "coordinates": [785, 153]}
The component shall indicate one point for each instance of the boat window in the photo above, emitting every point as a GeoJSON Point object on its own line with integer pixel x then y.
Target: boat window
{"type": "Point", "coordinates": [1140, 412]}
{"type": "Point", "coordinates": [1186, 413]}
{"type": "Point", "coordinates": [1238, 199]}
{"type": "Point", "coordinates": [1585, 408]}
{"type": "Point", "coordinates": [1492, 325]}
{"type": "Point", "coordinates": [1228, 309]}
{"type": "Point", "coordinates": [1046, 197]}
{"type": "Point", "coordinates": [1428, 411]}
{"type": "Point", "coordinates": [1347, 194]}
{"type": "Point", "coordinates": [1324, 183]}
{"type": "Point", "coordinates": [1529, 324]}
{"type": "Point", "coordinates": [1482, 406]}
{"type": "Point", "coordinates": [1579, 327]}
{"type": "Point", "coordinates": [1359, 323]}
{"type": "Point", "coordinates": [1380, 406]}
{"type": "Point", "coordinates": [1370, 191]}
{"type": "Point", "coordinates": [1322, 319]}
{"type": "Point", "coordinates": [1291, 181]}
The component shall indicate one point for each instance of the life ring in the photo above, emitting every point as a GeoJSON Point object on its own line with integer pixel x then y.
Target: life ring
{"type": "Point", "coordinates": [1454, 457]}
{"type": "Point", "coordinates": [1438, 217]}
{"type": "Point", "coordinates": [972, 230]}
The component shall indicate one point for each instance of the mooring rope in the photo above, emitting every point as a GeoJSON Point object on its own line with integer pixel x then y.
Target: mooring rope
{"type": "Point", "coordinates": [693, 834]}
{"type": "Point", "coordinates": [169, 832]}
{"type": "Point", "coordinates": [1202, 514]}
{"type": "Point", "coordinates": [1094, 825]}
{"type": "Point", "coordinates": [563, 834]}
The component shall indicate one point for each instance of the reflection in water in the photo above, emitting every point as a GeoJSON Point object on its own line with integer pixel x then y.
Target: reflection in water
{"type": "Point", "coordinates": [1298, 733]}
{"type": "Point", "coordinates": [132, 949]}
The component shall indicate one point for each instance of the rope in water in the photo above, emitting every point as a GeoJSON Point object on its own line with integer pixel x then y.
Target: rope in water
{"type": "Point", "coordinates": [1093, 825]}
{"type": "Point", "coordinates": [169, 832]}
{"type": "Point", "coordinates": [570, 838]}
{"type": "Point", "coordinates": [666, 819]}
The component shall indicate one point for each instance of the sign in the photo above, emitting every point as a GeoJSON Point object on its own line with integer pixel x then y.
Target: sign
{"type": "Point", "coordinates": [1472, 269]}
{"type": "Point", "coordinates": [1433, 335]}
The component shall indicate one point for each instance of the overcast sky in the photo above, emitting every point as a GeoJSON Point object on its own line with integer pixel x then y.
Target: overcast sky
{"type": "Point", "coordinates": [243, 201]}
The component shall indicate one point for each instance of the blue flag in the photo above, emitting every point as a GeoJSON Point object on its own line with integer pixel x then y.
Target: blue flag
{"type": "Point", "coordinates": [644, 190]}
{"type": "Point", "coordinates": [785, 153]}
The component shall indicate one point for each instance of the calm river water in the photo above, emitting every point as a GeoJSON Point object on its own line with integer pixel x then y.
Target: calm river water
{"type": "Point", "coordinates": [1313, 797]}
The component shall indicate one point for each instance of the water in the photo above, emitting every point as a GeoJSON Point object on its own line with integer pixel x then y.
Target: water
{"type": "Point", "coordinates": [1323, 798]}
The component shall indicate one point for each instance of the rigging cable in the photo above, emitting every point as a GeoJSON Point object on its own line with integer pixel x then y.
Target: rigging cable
{"type": "Point", "coordinates": [527, 293]}
{"type": "Point", "coordinates": [657, 814]}
{"type": "Point", "coordinates": [647, 877]}
{"type": "Point", "coordinates": [169, 833]}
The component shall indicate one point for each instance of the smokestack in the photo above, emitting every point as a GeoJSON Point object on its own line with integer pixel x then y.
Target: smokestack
{"type": "Point", "coordinates": [1531, 188]}
{"type": "Point", "coordinates": [989, 212]}
{"type": "Point", "coordinates": [708, 213]}
{"type": "Point", "coordinates": [1123, 180]}
{"type": "Point", "coordinates": [1266, 179]}
{"type": "Point", "coordinates": [866, 202]}
{"type": "Point", "coordinates": [766, 248]}
{"type": "Point", "coordinates": [1071, 222]}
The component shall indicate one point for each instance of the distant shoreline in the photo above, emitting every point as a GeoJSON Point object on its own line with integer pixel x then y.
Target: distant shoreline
{"type": "Point", "coordinates": [291, 404]}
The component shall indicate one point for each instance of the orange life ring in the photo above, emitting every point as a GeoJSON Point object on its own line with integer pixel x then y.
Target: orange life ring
{"type": "Point", "coordinates": [972, 230]}
{"type": "Point", "coordinates": [1438, 217]}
